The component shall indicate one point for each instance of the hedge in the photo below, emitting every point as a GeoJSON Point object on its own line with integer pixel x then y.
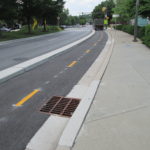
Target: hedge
{"type": "Point", "coordinates": [143, 32]}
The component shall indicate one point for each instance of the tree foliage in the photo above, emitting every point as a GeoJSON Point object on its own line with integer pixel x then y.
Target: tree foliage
{"type": "Point", "coordinates": [8, 11]}
{"type": "Point", "coordinates": [64, 16]}
{"type": "Point", "coordinates": [98, 13]}
{"type": "Point", "coordinates": [26, 10]}
{"type": "Point", "coordinates": [144, 9]}
{"type": "Point", "coordinates": [66, 19]}
{"type": "Point", "coordinates": [123, 9]}
{"type": "Point", "coordinates": [126, 9]}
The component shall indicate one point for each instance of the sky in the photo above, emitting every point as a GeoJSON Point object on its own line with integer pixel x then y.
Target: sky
{"type": "Point", "coordinates": [76, 7]}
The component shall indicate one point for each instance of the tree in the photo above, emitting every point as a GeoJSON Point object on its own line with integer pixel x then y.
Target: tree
{"type": "Point", "coordinates": [98, 13]}
{"type": "Point", "coordinates": [8, 11]}
{"type": "Point", "coordinates": [122, 8]}
{"type": "Point", "coordinates": [144, 9]}
{"type": "Point", "coordinates": [28, 11]}
{"type": "Point", "coordinates": [64, 16]}
{"type": "Point", "coordinates": [76, 20]}
{"type": "Point", "coordinates": [82, 21]}
{"type": "Point", "coordinates": [44, 7]}
{"type": "Point", "coordinates": [53, 10]}
{"type": "Point", "coordinates": [66, 19]}
{"type": "Point", "coordinates": [126, 9]}
{"type": "Point", "coordinates": [45, 10]}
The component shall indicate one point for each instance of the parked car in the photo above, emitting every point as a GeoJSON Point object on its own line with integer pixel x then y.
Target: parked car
{"type": "Point", "coordinates": [63, 26]}
{"type": "Point", "coordinates": [5, 29]}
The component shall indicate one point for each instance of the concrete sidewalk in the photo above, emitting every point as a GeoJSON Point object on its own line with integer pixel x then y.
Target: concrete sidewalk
{"type": "Point", "coordinates": [119, 116]}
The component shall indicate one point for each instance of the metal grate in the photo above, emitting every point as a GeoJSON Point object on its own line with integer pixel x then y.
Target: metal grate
{"type": "Point", "coordinates": [61, 106]}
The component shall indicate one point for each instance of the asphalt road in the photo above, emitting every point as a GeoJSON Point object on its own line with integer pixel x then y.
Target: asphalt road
{"type": "Point", "coordinates": [53, 78]}
{"type": "Point", "coordinates": [17, 51]}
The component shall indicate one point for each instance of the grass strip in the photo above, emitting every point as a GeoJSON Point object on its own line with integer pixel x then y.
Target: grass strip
{"type": "Point", "coordinates": [23, 33]}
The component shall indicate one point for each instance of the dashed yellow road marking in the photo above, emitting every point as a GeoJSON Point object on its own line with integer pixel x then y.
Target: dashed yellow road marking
{"type": "Point", "coordinates": [88, 51]}
{"type": "Point", "coordinates": [27, 97]}
{"type": "Point", "coordinates": [72, 64]}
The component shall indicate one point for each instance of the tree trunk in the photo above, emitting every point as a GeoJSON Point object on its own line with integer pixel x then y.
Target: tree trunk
{"type": "Point", "coordinates": [29, 26]}
{"type": "Point", "coordinates": [44, 24]}
{"type": "Point", "coordinates": [0, 33]}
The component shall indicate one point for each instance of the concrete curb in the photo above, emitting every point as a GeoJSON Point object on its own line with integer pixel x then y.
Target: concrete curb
{"type": "Point", "coordinates": [27, 65]}
{"type": "Point", "coordinates": [75, 123]}
{"type": "Point", "coordinates": [42, 139]}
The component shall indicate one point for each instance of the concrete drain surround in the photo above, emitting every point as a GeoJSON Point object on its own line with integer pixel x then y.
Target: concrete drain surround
{"type": "Point", "coordinates": [60, 106]}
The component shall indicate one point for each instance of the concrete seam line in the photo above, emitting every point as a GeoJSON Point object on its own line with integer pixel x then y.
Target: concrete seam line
{"type": "Point", "coordinates": [27, 65]}
{"type": "Point", "coordinates": [70, 133]}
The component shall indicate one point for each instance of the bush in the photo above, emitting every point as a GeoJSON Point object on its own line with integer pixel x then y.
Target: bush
{"type": "Point", "coordinates": [126, 28]}
{"type": "Point", "coordinates": [147, 30]}
{"type": "Point", "coordinates": [24, 29]}
{"type": "Point", "coordinates": [146, 38]}
{"type": "Point", "coordinates": [53, 28]}
{"type": "Point", "coordinates": [143, 32]}
{"type": "Point", "coordinates": [119, 27]}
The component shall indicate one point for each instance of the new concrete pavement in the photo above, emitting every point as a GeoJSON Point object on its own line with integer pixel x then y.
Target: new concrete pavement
{"type": "Point", "coordinates": [119, 116]}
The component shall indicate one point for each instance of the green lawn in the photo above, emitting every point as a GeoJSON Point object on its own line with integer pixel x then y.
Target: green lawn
{"type": "Point", "coordinates": [23, 33]}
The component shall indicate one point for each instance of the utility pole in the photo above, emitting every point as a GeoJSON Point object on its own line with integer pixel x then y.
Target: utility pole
{"type": "Point", "coordinates": [58, 21]}
{"type": "Point", "coordinates": [136, 21]}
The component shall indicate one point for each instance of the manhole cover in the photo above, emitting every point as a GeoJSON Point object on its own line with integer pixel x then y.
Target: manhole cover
{"type": "Point", "coordinates": [61, 106]}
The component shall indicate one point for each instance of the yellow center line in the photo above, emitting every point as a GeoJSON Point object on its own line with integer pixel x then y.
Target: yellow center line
{"type": "Point", "coordinates": [87, 51]}
{"type": "Point", "coordinates": [72, 64]}
{"type": "Point", "coordinates": [27, 97]}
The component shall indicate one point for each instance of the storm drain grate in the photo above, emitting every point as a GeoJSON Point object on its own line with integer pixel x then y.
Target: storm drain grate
{"type": "Point", "coordinates": [61, 106]}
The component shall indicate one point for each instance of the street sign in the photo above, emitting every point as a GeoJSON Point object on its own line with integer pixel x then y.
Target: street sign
{"type": "Point", "coordinates": [115, 15]}
{"type": "Point", "coordinates": [104, 9]}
